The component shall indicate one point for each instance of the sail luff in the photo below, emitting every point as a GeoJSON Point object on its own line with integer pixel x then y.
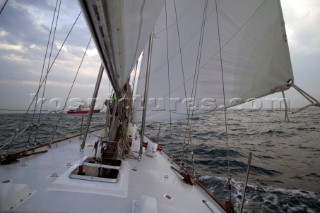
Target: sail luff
{"type": "Point", "coordinates": [105, 53]}
{"type": "Point", "coordinates": [146, 93]}
{"type": "Point", "coordinates": [121, 30]}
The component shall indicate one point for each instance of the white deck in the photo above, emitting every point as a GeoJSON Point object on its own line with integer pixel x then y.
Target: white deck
{"type": "Point", "coordinates": [151, 177]}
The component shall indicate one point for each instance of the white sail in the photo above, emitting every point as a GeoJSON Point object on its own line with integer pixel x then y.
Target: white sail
{"type": "Point", "coordinates": [254, 56]}
{"type": "Point", "coordinates": [121, 29]}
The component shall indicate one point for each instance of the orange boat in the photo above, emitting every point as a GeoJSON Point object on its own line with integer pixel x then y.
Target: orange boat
{"type": "Point", "coordinates": [83, 109]}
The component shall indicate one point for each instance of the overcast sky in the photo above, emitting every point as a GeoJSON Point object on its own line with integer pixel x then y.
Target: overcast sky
{"type": "Point", "coordinates": [24, 27]}
{"type": "Point", "coordinates": [24, 30]}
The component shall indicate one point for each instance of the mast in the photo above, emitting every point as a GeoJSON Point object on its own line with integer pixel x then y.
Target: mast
{"type": "Point", "coordinates": [93, 102]}
{"type": "Point", "coordinates": [145, 101]}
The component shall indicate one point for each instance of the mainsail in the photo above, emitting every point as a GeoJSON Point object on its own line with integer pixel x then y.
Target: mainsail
{"type": "Point", "coordinates": [196, 42]}
{"type": "Point", "coordinates": [121, 30]}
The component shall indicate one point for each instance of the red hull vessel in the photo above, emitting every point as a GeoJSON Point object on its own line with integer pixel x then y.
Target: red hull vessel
{"type": "Point", "coordinates": [82, 111]}
{"type": "Point", "coordinates": [83, 108]}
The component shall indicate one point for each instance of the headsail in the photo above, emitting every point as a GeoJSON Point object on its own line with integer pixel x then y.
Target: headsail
{"type": "Point", "coordinates": [254, 56]}
{"type": "Point", "coordinates": [121, 28]}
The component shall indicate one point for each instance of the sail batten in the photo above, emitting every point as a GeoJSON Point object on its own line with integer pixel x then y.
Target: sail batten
{"type": "Point", "coordinates": [254, 51]}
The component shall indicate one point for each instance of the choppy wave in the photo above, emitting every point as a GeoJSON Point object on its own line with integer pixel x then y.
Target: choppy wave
{"type": "Point", "coordinates": [51, 128]}
{"type": "Point", "coordinates": [265, 199]}
{"type": "Point", "coordinates": [284, 173]}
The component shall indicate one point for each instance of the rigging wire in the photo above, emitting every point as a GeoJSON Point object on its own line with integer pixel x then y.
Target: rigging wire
{"type": "Point", "coordinates": [312, 100]}
{"type": "Point", "coordinates": [45, 56]}
{"type": "Point", "coordinates": [7, 143]}
{"type": "Point", "coordinates": [216, 53]}
{"type": "Point", "coordinates": [183, 78]}
{"type": "Point", "coordinates": [189, 122]}
{"type": "Point", "coordinates": [156, 71]}
{"type": "Point", "coordinates": [198, 60]}
{"type": "Point", "coordinates": [3, 6]}
{"type": "Point", "coordinates": [224, 100]}
{"type": "Point", "coordinates": [38, 90]}
{"type": "Point", "coordinates": [63, 43]}
{"type": "Point", "coordinates": [70, 90]}
{"type": "Point", "coordinates": [46, 76]}
{"type": "Point", "coordinates": [177, 18]}
{"type": "Point", "coordinates": [49, 59]}
{"type": "Point", "coordinates": [47, 47]}
{"type": "Point", "coordinates": [43, 65]}
{"type": "Point", "coordinates": [168, 68]}
{"type": "Point", "coordinates": [180, 53]}
{"type": "Point", "coordinates": [196, 76]}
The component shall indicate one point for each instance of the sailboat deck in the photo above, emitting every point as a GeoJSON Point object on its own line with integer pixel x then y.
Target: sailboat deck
{"type": "Point", "coordinates": [51, 190]}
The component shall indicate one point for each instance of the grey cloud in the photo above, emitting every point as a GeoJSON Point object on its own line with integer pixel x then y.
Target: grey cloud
{"type": "Point", "coordinates": [20, 27]}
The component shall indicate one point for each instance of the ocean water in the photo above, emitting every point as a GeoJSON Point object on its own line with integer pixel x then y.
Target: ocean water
{"type": "Point", "coordinates": [51, 128]}
{"type": "Point", "coordinates": [285, 166]}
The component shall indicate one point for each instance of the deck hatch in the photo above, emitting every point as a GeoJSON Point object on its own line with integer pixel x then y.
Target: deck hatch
{"type": "Point", "coordinates": [105, 163]}
{"type": "Point", "coordinates": [92, 173]}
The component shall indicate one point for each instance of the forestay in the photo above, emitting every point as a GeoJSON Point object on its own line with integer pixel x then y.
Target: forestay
{"type": "Point", "coordinates": [188, 69]}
